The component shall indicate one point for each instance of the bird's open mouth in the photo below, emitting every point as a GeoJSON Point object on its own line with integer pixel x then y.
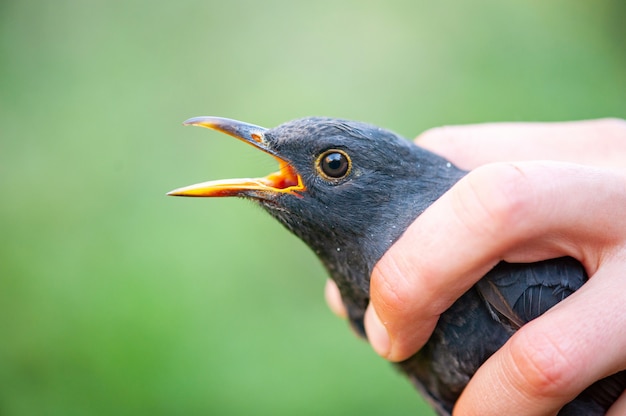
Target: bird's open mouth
{"type": "Point", "coordinates": [285, 180]}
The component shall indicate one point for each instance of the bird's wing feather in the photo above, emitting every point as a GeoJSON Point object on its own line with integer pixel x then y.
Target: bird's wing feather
{"type": "Point", "coordinates": [498, 305]}
{"type": "Point", "coordinates": [518, 293]}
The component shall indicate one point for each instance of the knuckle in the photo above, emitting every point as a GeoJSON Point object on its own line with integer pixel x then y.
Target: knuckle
{"type": "Point", "coordinates": [388, 286]}
{"type": "Point", "coordinates": [401, 291]}
{"type": "Point", "coordinates": [497, 197]}
{"type": "Point", "coordinates": [542, 367]}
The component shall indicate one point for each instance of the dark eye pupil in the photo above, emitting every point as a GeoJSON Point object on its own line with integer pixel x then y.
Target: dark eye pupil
{"type": "Point", "coordinates": [335, 165]}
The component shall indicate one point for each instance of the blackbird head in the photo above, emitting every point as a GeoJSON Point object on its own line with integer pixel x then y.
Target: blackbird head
{"type": "Point", "coordinates": [347, 189]}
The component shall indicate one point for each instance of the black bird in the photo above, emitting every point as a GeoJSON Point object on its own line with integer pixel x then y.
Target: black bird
{"type": "Point", "coordinates": [349, 190]}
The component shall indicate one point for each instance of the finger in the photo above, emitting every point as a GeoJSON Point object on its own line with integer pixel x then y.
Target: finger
{"type": "Point", "coordinates": [554, 358]}
{"type": "Point", "coordinates": [593, 142]}
{"type": "Point", "coordinates": [516, 212]}
{"type": "Point", "coordinates": [619, 407]}
{"type": "Point", "coordinates": [333, 299]}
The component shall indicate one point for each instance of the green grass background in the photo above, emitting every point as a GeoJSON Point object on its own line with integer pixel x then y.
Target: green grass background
{"type": "Point", "coordinates": [116, 300]}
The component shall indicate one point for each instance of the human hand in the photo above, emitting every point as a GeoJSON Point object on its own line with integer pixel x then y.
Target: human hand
{"type": "Point", "coordinates": [514, 209]}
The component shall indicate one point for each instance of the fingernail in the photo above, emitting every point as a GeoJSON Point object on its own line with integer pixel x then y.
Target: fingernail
{"type": "Point", "coordinates": [376, 332]}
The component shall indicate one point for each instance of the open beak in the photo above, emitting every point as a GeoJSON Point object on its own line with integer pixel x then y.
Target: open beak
{"type": "Point", "coordinates": [285, 180]}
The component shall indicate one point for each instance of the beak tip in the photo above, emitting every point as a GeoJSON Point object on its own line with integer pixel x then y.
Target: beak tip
{"type": "Point", "coordinates": [190, 122]}
{"type": "Point", "coordinates": [204, 121]}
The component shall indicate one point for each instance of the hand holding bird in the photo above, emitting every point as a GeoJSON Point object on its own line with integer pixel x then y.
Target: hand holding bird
{"type": "Point", "coordinates": [575, 210]}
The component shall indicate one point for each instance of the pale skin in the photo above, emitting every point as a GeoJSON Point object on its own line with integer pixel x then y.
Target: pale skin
{"type": "Point", "coordinates": [536, 191]}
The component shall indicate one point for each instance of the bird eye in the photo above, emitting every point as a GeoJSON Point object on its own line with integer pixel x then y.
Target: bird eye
{"type": "Point", "coordinates": [334, 164]}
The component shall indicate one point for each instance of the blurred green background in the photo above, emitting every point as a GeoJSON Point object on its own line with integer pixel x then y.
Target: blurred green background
{"type": "Point", "coordinates": [115, 299]}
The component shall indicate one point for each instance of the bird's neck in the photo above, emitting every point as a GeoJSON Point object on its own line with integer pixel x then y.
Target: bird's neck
{"type": "Point", "coordinates": [351, 260]}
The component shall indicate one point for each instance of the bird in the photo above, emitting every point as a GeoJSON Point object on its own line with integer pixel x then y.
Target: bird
{"type": "Point", "coordinates": [349, 190]}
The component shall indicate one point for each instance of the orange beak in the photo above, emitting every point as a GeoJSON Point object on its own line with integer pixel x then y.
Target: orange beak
{"type": "Point", "coordinates": [285, 180]}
